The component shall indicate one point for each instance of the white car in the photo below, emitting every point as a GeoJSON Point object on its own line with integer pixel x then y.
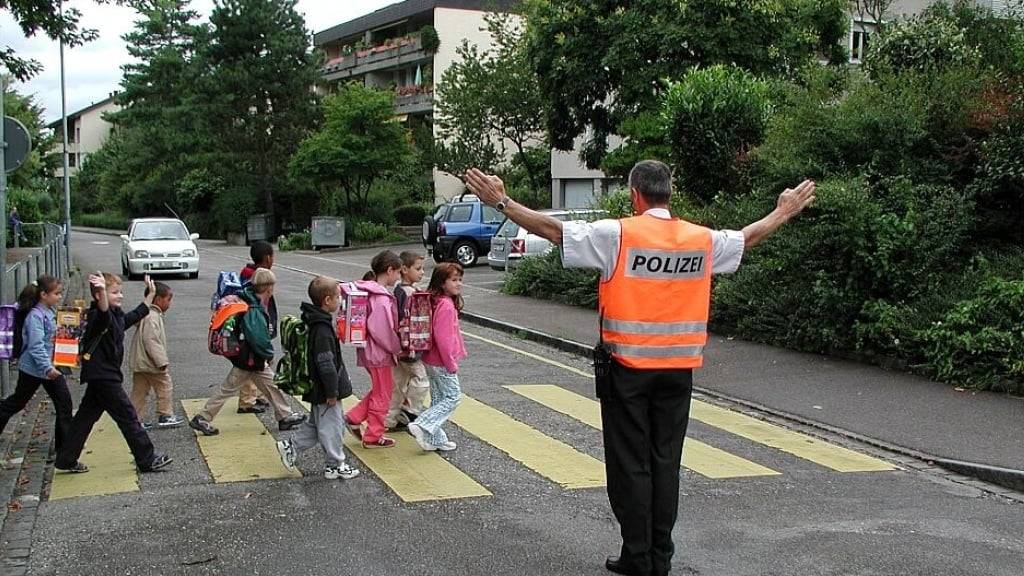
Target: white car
{"type": "Point", "coordinates": [512, 243]}
{"type": "Point", "coordinates": [157, 246]}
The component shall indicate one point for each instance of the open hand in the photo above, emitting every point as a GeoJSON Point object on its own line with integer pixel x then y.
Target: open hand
{"type": "Point", "coordinates": [97, 281]}
{"type": "Point", "coordinates": [490, 189]}
{"type": "Point", "coordinates": [792, 201]}
{"type": "Point", "coordinates": [150, 289]}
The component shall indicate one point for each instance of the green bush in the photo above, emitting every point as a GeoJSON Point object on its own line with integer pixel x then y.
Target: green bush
{"type": "Point", "coordinates": [429, 38]}
{"type": "Point", "coordinates": [980, 343]}
{"type": "Point", "coordinates": [301, 240]}
{"type": "Point", "coordinates": [410, 214]}
{"type": "Point", "coordinates": [108, 220]}
{"type": "Point", "coordinates": [369, 232]}
{"type": "Point", "coordinates": [714, 116]}
{"type": "Point", "coordinates": [933, 40]}
{"type": "Point", "coordinates": [544, 277]}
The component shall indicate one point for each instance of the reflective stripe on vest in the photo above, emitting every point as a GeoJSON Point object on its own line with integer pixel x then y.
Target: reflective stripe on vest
{"type": "Point", "coordinates": [655, 305]}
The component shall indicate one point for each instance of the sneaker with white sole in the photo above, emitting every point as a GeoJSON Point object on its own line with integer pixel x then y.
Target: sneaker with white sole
{"type": "Point", "coordinates": [169, 421]}
{"type": "Point", "coordinates": [288, 455]}
{"type": "Point", "coordinates": [203, 426]}
{"type": "Point", "coordinates": [421, 437]}
{"type": "Point", "coordinates": [448, 446]}
{"type": "Point", "coordinates": [342, 471]}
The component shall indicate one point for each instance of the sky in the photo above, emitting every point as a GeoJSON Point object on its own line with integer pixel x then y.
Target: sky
{"type": "Point", "coordinates": [93, 71]}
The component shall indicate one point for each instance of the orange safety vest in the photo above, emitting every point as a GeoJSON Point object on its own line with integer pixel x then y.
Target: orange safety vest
{"type": "Point", "coordinates": [655, 305]}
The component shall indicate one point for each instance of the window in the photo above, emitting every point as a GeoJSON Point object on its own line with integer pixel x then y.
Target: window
{"type": "Point", "coordinates": [460, 213]}
{"type": "Point", "coordinates": [492, 216]}
{"type": "Point", "coordinates": [71, 160]}
{"type": "Point", "coordinates": [860, 37]}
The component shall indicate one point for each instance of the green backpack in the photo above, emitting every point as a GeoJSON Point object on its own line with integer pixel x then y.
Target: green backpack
{"type": "Point", "coordinates": [292, 375]}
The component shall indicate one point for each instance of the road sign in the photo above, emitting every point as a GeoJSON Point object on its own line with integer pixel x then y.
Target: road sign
{"type": "Point", "coordinates": [17, 144]}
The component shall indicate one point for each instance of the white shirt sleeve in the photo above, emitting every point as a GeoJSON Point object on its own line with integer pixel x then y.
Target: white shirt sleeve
{"type": "Point", "coordinates": [591, 245]}
{"type": "Point", "coordinates": [726, 251]}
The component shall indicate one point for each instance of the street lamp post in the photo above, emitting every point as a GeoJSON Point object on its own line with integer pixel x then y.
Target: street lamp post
{"type": "Point", "coordinates": [67, 177]}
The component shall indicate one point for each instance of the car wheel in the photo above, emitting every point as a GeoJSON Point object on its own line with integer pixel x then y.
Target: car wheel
{"type": "Point", "coordinates": [124, 269]}
{"type": "Point", "coordinates": [429, 231]}
{"type": "Point", "coordinates": [193, 275]}
{"type": "Point", "coordinates": [438, 256]}
{"type": "Point", "coordinates": [465, 254]}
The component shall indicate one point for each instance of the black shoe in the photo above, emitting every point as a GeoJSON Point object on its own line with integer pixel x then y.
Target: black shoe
{"type": "Point", "coordinates": [262, 402]}
{"type": "Point", "coordinates": [290, 421]}
{"type": "Point", "coordinates": [614, 564]}
{"type": "Point", "coordinates": [203, 425]}
{"type": "Point", "coordinates": [76, 468]}
{"type": "Point", "coordinates": [409, 416]}
{"type": "Point", "coordinates": [254, 409]}
{"type": "Point", "coordinates": [158, 462]}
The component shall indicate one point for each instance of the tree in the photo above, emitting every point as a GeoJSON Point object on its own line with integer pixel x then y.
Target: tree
{"type": "Point", "coordinates": [489, 100]}
{"type": "Point", "coordinates": [600, 63]}
{"type": "Point", "coordinates": [359, 143]}
{"type": "Point", "coordinates": [258, 97]}
{"type": "Point", "coordinates": [37, 167]}
{"type": "Point", "coordinates": [34, 16]}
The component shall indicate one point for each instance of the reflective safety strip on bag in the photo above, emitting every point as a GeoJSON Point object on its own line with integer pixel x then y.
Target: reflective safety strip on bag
{"type": "Point", "coordinates": [636, 327]}
{"type": "Point", "coordinates": [628, 350]}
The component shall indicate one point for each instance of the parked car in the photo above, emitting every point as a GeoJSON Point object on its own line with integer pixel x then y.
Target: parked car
{"type": "Point", "coordinates": [461, 230]}
{"type": "Point", "coordinates": [512, 243]}
{"type": "Point", "coordinates": [157, 246]}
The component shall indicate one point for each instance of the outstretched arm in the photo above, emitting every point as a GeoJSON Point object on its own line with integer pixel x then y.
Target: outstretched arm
{"type": "Point", "coordinates": [491, 190]}
{"type": "Point", "coordinates": [791, 202]}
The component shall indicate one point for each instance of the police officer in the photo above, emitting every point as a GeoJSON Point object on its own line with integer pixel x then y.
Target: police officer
{"type": "Point", "coordinates": [654, 297]}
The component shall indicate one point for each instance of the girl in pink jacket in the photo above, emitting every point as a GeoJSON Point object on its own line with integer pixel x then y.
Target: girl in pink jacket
{"type": "Point", "coordinates": [378, 356]}
{"type": "Point", "coordinates": [442, 360]}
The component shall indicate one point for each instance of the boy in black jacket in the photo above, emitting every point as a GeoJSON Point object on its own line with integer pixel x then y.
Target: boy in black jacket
{"type": "Point", "coordinates": [101, 370]}
{"type": "Point", "coordinates": [326, 423]}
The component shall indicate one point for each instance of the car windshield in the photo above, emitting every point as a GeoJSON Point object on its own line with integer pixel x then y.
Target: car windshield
{"type": "Point", "coordinates": [160, 231]}
{"type": "Point", "coordinates": [509, 229]}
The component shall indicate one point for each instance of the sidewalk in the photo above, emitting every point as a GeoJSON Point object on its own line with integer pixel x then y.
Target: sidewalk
{"type": "Point", "coordinates": [929, 420]}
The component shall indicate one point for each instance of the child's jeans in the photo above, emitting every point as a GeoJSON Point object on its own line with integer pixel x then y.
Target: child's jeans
{"type": "Point", "coordinates": [160, 384]}
{"type": "Point", "coordinates": [325, 426]}
{"type": "Point", "coordinates": [445, 396]}
{"type": "Point", "coordinates": [410, 393]}
{"type": "Point", "coordinates": [373, 409]}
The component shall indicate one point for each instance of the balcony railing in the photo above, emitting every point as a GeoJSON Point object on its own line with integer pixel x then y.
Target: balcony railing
{"type": "Point", "coordinates": [414, 99]}
{"type": "Point", "coordinates": [397, 51]}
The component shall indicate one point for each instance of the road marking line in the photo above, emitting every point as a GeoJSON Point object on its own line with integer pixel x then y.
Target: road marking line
{"type": "Point", "coordinates": [703, 459]}
{"type": "Point", "coordinates": [111, 466]}
{"type": "Point", "coordinates": [530, 355]}
{"type": "Point", "coordinates": [244, 450]}
{"type": "Point", "coordinates": [818, 451]}
{"type": "Point", "coordinates": [414, 475]}
{"type": "Point", "coordinates": [539, 452]}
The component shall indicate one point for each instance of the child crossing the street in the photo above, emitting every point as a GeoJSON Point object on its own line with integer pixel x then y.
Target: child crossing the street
{"type": "Point", "coordinates": [101, 371]}
{"type": "Point", "coordinates": [378, 356]}
{"type": "Point", "coordinates": [442, 360]}
{"type": "Point", "coordinates": [253, 364]}
{"type": "Point", "coordinates": [262, 254]}
{"type": "Point", "coordinates": [150, 363]}
{"type": "Point", "coordinates": [408, 399]}
{"type": "Point", "coordinates": [330, 383]}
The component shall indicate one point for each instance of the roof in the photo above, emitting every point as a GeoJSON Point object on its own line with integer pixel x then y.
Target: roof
{"type": "Point", "coordinates": [401, 11]}
{"type": "Point", "coordinates": [57, 123]}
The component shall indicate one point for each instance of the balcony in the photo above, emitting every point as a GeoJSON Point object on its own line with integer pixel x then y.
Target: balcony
{"type": "Point", "coordinates": [414, 99]}
{"type": "Point", "coordinates": [393, 53]}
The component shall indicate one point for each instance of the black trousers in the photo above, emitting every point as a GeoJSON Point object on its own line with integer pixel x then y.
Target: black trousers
{"type": "Point", "coordinates": [23, 392]}
{"type": "Point", "coordinates": [644, 417]}
{"type": "Point", "coordinates": [106, 396]}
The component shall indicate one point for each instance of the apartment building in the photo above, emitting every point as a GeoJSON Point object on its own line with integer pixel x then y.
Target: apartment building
{"type": "Point", "coordinates": [87, 131]}
{"type": "Point", "coordinates": [394, 48]}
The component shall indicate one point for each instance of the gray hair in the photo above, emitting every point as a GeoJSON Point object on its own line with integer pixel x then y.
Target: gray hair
{"type": "Point", "coordinates": [653, 179]}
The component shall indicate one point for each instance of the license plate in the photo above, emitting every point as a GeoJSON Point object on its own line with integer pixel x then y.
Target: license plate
{"type": "Point", "coordinates": [165, 265]}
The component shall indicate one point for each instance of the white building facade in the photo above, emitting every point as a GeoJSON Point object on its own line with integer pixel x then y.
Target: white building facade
{"type": "Point", "coordinates": [87, 131]}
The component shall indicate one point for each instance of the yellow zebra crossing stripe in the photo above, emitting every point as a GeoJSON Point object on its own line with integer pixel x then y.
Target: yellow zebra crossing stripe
{"type": "Point", "coordinates": [539, 452]}
{"type": "Point", "coordinates": [414, 475]}
{"type": "Point", "coordinates": [818, 451]}
{"type": "Point", "coordinates": [244, 450]}
{"type": "Point", "coordinates": [703, 459]}
{"type": "Point", "coordinates": [111, 466]}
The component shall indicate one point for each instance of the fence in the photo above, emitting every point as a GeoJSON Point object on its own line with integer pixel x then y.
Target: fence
{"type": "Point", "coordinates": [50, 257]}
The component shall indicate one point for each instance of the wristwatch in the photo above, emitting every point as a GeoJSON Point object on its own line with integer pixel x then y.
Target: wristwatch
{"type": "Point", "coordinates": [502, 204]}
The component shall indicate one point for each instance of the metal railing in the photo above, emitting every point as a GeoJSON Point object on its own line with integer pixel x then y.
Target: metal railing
{"type": "Point", "coordinates": [50, 257]}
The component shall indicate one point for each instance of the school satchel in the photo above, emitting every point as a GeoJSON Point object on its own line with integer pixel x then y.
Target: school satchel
{"type": "Point", "coordinates": [10, 337]}
{"type": "Point", "coordinates": [225, 337]}
{"type": "Point", "coordinates": [414, 330]}
{"type": "Point", "coordinates": [292, 375]}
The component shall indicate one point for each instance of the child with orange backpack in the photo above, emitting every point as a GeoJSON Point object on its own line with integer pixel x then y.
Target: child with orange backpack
{"type": "Point", "coordinates": [378, 356]}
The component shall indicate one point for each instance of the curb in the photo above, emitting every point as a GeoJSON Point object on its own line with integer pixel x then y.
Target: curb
{"type": "Point", "coordinates": [101, 231]}
{"type": "Point", "coordinates": [1005, 477]}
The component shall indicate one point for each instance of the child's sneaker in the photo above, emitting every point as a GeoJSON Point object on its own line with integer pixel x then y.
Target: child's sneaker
{"type": "Point", "coordinates": [76, 468]}
{"type": "Point", "coordinates": [290, 421]}
{"type": "Point", "coordinates": [355, 429]}
{"type": "Point", "coordinates": [169, 421]}
{"type": "Point", "coordinates": [203, 425]}
{"type": "Point", "coordinates": [287, 451]}
{"type": "Point", "coordinates": [147, 426]}
{"type": "Point", "coordinates": [160, 461]}
{"type": "Point", "coordinates": [421, 437]}
{"type": "Point", "coordinates": [382, 442]}
{"type": "Point", "coordinates": [448, 446]}
{"type": "Point", "coordinates": [343, 471]}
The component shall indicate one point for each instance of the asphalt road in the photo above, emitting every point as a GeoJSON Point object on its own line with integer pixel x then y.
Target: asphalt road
{"type": "Point", "coordinates": [807, 520]}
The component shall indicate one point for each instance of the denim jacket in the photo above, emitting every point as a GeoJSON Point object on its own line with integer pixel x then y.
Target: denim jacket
{"type": "Point", "coordinates": [38, 333]}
